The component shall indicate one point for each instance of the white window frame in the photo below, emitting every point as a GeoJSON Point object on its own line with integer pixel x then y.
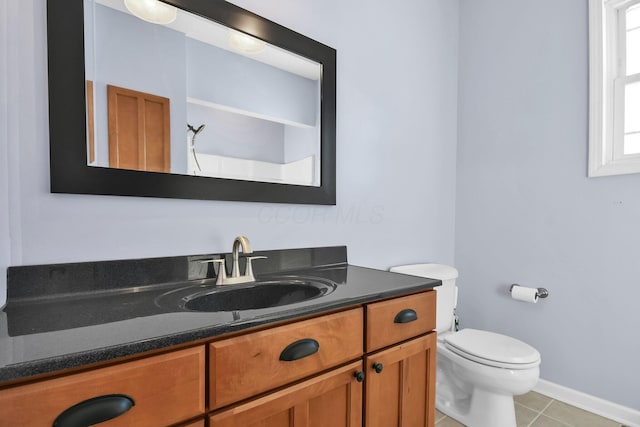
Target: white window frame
{"type": "Point", "coordinates": [607, 81]}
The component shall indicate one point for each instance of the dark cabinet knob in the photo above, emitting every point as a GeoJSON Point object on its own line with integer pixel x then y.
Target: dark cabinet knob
{"type": "Point", "coordinates": [94, 411]}
{"type": "Point", "coordinates": [359, 376]}
{"type": "Point", "coordinates": [299, 350]}
{"type": "Point", "coordinates": [406, 316]}
{"type": "Point", "coordinates": [378, 367]}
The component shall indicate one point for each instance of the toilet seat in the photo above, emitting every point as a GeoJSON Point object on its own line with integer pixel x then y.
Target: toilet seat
{"type": "Point", "coordinates": [492, 349]}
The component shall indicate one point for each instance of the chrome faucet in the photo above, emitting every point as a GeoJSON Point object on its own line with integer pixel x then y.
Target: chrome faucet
{"type": "Point", "coordinates": [236, 277]}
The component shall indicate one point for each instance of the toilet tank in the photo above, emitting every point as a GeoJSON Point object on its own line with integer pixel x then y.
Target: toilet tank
{"type": "Point", "coordinates": [447, 294]}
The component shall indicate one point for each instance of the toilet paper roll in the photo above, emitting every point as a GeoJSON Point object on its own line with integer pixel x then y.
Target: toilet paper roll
{"type": "Point", "coordinates": [522, 293]}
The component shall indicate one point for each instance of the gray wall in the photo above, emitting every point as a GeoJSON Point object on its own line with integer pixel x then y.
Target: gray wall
{"type": "Point", "coordinates": [5, 130]}
{"type": "Point", "coordinates": [301, 142]}
{"type": "Point", "coordinates": [22, 81]}
{"type": "Point", "coordinates": [236, 135]}
{"type": "Point", "coordinates": [395, 167]}
{"type": "Point", "coordinates": [526, 213]}
{"type": "Point", "coordinates": [223, 77]}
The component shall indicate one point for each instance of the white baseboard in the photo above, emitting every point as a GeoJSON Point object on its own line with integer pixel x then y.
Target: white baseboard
{"type": "Point", "coordinates": [622, 414]}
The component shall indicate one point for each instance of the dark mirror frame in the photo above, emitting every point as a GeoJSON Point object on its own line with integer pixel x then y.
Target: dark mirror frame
{"type": "Point", "coordinates": [70, 172]}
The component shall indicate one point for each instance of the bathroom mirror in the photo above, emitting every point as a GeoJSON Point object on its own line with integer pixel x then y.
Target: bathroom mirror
{"type": "Point", "coordinates": [236, 107]}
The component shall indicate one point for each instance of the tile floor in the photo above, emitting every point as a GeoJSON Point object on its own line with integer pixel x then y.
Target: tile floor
{"type": "Point", "coordinates": [537, 410]}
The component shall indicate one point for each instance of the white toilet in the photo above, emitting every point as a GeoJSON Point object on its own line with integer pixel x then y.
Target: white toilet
{"type": "Point", "coordinates": [478, 372]}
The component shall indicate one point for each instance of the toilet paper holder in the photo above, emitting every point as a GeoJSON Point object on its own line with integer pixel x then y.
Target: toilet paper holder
{"type": "Point", "coordinates": [541, 293]}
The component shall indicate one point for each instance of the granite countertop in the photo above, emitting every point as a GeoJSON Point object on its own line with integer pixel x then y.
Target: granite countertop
{"type": "Point", "coordinates": [68, 315]}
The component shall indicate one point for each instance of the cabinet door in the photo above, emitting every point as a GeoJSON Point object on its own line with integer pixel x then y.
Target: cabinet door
{"type": "Point", "coordinates": [333, 399]}
{"type": "Point", "coordinates": [402, 393]}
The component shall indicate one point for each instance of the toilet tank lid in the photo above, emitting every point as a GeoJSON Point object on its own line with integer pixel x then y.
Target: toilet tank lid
{"type": "Point", "coordinates": [432, 271]}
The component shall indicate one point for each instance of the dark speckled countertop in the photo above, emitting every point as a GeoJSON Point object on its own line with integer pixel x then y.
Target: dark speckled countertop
{"type": "Point", "coordinates": [68, 315]}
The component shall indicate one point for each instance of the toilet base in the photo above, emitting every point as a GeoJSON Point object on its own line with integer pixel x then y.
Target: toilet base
{"type": "Point", "coordinates": [478, 395]}
{"type": "Point", "coordinates": [502, 412]}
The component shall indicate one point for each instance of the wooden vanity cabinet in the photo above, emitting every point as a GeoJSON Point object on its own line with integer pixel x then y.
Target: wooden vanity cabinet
{"type": "Point", "coordinates": [373, 365]}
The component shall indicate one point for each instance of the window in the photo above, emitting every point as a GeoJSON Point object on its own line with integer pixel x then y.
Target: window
{"type": "Point", "coordinates": [614, 87]}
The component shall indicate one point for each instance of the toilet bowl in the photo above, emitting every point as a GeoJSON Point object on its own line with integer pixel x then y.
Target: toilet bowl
{"type": "Point", "coordinates": [478, 372]}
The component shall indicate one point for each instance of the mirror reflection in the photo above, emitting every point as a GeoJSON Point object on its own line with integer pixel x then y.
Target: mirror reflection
{"type": "Point", "coordinates": [181, 94]}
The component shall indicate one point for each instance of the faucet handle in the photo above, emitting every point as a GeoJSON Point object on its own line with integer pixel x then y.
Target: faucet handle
{"type": "Point", "coordinates": [248, 269]}
{"type": "Point", "coordinates": [222, 272]}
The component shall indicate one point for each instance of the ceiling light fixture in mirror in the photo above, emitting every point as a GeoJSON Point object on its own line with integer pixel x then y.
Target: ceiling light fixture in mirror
{"type": "Point", "coordinates": [153, 11]}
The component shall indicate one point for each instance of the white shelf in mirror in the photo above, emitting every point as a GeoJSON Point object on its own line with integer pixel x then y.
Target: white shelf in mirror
{"type": "Point", "coordinates": [247, 113]}
{"type": "Point", "coordinates": [299, 172]}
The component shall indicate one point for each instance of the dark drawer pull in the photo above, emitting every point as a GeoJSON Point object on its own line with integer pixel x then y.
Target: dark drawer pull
{"type": "Point", "coordinates": [299, 349]}
{"type": "Point", "coordinates": [406, 316]}
{"type": "Point", "coordinates": [94, 411]}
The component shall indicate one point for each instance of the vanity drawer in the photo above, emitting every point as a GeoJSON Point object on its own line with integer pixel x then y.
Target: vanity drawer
{"type": "Point", "coordinates": [250, 364]}
{"type": "Point", "coordinates": [398, 319]}
{"type": "Point", "coordinates": [166, 389]}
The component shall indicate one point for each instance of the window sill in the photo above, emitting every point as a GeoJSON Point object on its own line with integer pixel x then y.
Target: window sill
{"type": "Point", "coordinates": [616, 167]}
